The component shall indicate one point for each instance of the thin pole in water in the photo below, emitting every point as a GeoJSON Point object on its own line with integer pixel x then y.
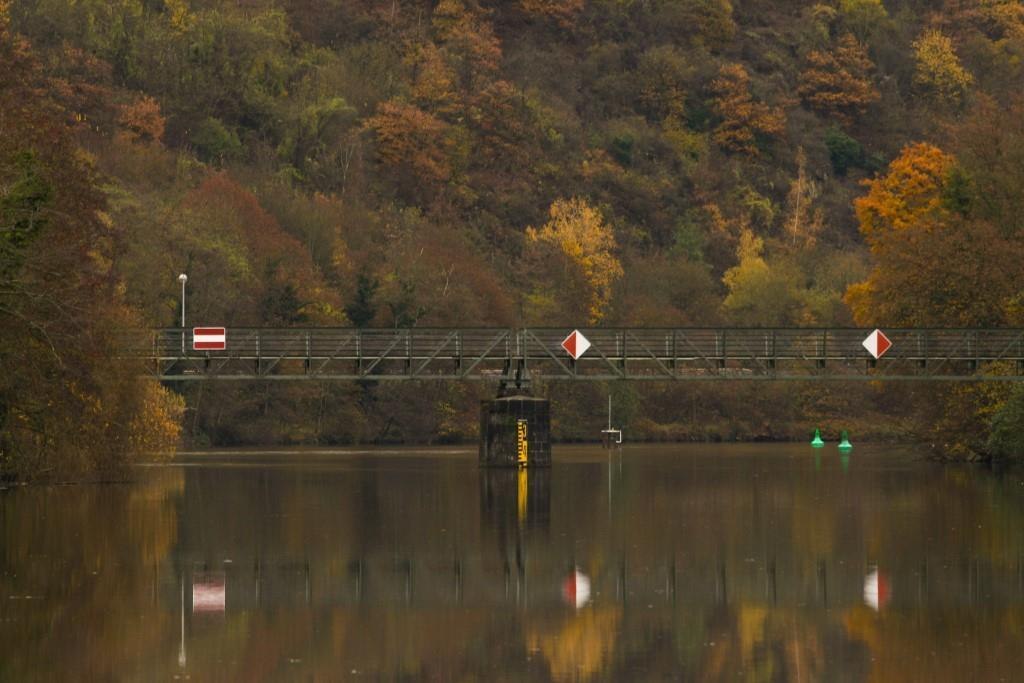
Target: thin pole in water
{"type": "Point", "coordinates": [182, 659]}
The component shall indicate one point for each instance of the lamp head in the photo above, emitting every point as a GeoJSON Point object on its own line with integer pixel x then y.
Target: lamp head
{"type": "Point", "coordinates": [183, 278]}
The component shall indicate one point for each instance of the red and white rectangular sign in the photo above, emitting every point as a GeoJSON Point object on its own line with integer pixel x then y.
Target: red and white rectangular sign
{"type": "Point", "coordinates": [209, 338]}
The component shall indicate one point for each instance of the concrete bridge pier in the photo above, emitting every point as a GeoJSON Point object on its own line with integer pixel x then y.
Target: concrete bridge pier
{"type": "Point", "coordinates": [515, 427]}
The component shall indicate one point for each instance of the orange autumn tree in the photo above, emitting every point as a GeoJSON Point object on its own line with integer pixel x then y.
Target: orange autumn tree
{"type": "Point", "coordinates": [503, 130]}
{"type": "Point", "coordinates": [412, 147]}
{"type": "Point", "coordinates": [837, 82]}
{"type": "Point", "coordinates": [434, 84]}
{"type": "Point", "coordinates": [142, 120]}
{"type": "Point", "coordinates": [744, 120]}
{"type": "Point", "coordinates": [935, 264]}
{"type": "Point", "coordinates": [909, 195]}
{"type": "Point", "coordinates": [468, 40]}
{"type": "Point", "coordinates": [464, 134]}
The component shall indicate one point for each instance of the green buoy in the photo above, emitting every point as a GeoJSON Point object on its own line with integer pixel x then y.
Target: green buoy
{"type": "Point", "coordinates": [844, 443]}
{"type": "Point", "coordinates": [816, 442]}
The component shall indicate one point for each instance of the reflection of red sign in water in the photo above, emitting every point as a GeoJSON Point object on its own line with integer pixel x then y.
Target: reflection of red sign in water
{"type": "Point", "coordinates": [576, 589]}
{"type": "Point", "coordinates": [208, 592]}
{"type": "Point", "coordinates": [876, 589]}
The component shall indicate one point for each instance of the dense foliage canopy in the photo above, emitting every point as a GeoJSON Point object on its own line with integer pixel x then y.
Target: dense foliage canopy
{"type": "Point", "coordinates": [379, 163]}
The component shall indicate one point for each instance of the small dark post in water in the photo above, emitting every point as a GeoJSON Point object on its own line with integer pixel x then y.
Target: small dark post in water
{"type": "Point", "coordinates": [515, 428]}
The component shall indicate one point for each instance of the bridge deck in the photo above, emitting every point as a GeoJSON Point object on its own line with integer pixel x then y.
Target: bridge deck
{"type": "Point", "coordinates": [632, 354]}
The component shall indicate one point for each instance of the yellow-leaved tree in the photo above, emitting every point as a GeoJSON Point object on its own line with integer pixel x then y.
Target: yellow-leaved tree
{"type": "Point", "coordinates": [572, 262]}
{"type": "Point", "coordinates": [863, 17]}
{"type": "Point", "coordinates": [763, 294]}
{"type": "Point", "coordinates": [937, 70]}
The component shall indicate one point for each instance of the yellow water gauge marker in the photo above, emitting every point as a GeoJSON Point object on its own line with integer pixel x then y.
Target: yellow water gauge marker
{"type": "Point", "coordinates": [522, 443]}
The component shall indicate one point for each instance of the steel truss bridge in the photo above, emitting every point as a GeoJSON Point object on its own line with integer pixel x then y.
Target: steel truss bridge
{"type": "Point", "coordinates": [508, 354]}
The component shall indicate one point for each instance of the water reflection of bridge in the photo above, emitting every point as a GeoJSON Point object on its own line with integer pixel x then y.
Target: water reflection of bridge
{"type": "Point", "coordinates": [470, 582]}
{"type": "Point", "coordinates": [512, 555]}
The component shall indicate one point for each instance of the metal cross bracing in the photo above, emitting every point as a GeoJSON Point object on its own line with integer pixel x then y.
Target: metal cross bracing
{"type": "Point", "coordinates": [641, 354]}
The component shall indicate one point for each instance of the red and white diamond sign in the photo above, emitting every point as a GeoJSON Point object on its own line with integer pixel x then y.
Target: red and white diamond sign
{"type": "Point", "coordinates": [209, 338]}
{"type": "Point", "coordinates": [575, 344]}
{"type": "Point", "coordinates": [877, 344]}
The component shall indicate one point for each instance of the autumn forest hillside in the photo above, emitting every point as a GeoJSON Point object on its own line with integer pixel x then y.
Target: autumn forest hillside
{"type": "Point", "coordinates": [472, 162]}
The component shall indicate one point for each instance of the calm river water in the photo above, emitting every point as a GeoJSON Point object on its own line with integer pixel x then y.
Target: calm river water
{"type": "Point", "coordinates": [759, 563]}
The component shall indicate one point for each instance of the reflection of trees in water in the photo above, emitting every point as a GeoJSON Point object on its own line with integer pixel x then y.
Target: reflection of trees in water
{"type": "Point", "coordinates": [933, 644]}
{"type": "Point", "coordinates": [754, 643]}
{"type": "Point", "coordinates": [88, 556]}
{"type": "Point", "coordinates": [747, 642]}
{"type": "Point", "coordinates": [809, 520]}
{"type": "Point", "coordinates": [576, 645]}
{"type": "Point", "coordinates": [703, 574]}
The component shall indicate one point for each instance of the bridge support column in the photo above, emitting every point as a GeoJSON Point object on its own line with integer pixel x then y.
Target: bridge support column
{"type": "Point", "coordinates": [515, 431]}
{"type": "Point", "coordinates": [515, 428]}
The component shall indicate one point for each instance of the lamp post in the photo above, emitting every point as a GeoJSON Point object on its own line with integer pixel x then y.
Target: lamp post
{"type": "Point", "coordinates": [183, 279]}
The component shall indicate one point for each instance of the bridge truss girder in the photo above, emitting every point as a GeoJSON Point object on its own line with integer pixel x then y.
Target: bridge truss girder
{"type": "Point", "coordinates": [635, 354]}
